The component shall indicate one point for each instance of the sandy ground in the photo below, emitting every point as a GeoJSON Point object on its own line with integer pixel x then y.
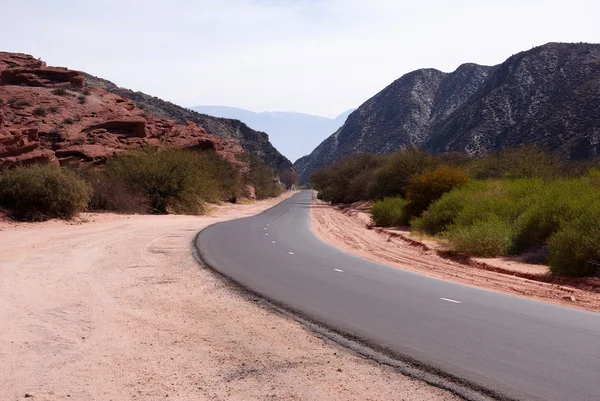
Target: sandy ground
{"type": "Point", "coordinates": [347, 229]}
{"type": "Point", "coordinates": [115, 307]}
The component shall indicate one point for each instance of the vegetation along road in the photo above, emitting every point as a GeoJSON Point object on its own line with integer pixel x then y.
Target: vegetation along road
{"type": "Point", "coordinates": [521, 348]}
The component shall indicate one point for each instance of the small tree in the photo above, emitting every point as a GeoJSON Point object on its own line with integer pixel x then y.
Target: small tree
{"type": "Point", "coordinates": [289, 178]}
{"type": "Point", "coordinates": [397, 170]}
{"type": "Point", "coordinates": [426, 188]}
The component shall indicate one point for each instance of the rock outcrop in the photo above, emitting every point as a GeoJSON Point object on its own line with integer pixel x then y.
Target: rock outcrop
{"type": "Point", "coordinates": [252, 141]}
{"type": "Point", "coordinates": [549, 95]}
{"type": "Point", "coordinates": [46, 115]}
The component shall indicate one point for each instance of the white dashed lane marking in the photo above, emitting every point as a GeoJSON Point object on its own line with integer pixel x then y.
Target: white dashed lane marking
{"type": "Point", "coordinates": [338, 270]}
{"type": "Point", "coordinates": [451, 300]}
{"type": "Point", "coordinates": [291, 253]}
{"type": "Point", "coordinates": [273, 242]}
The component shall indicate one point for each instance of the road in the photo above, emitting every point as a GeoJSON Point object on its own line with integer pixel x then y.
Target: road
{"type": "Point", "coordinates": [525, 349]}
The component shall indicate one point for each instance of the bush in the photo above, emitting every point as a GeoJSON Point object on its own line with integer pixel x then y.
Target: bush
{"type": "Point", "coordinates": [263, 179]}
{"type": "Point", "coordinates": [398, 168]}
{"type": "Point", "coordinates": [175, 181]}
{"type": "Point", "coordinates": [529, 161]}
{"type": "Point", "coordinates": [53, 109]}
{"type": "Point", "coordinates": [443, 212]}
{"type": "Point", "coordinates": [289, 178]}
{"type": "Point", "coordinates": [424, 189]}
{"type": "Point", "coordinates": [549, 207]}
{"type": "Point", "coordinates": [82, 99]}
{"type": "Point", "coordinates": [19, 103]}
{"type": "Point", "coordinates": [39, 111]}
{"type": "Point", "coordinates": [575, 248]}
{"type": "Point", "coordinates": [347, 180]}
{"type": "Point", "coordinates": [41, 192]}
{"type": "Point", "coordinates": [60, 92]}
{"type": "Point", "coordinates": [389, 212]}
{"type": "Point", "coordinates": [486, 238]}
{"type": "Point", "coordinates": [109, 194]}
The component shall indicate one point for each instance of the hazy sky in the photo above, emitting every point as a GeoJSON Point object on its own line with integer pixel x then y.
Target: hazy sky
{"type": "Point", "coordinates": [314, 56]}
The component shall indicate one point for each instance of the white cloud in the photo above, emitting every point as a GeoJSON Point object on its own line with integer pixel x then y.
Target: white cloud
{"type": "Point", "coordinates": [314, 56]}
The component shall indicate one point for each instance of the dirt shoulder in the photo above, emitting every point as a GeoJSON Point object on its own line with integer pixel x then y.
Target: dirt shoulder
{"type": "Point", "coordinates": [348, 230]}
{"type": "Point", "coordinates": [115, 307]}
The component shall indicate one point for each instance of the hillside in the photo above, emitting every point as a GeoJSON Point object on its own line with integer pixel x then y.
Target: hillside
{"type": "Point", "coordinates": [549, 95]}
{"type": "Point", "coordinates": [294, 134]}
{"type": "Point", "coordinates": [47, 115]}
{"type": "Point", "coordinates": [253, 142]}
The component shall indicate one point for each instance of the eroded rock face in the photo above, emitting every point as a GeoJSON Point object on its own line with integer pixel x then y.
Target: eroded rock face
{"type": "Point", "coordinates": [43, 77]}
{"type": "Point", "coordinates": [40, 124]}
{"type": "Point", "coordinates": [549, 95]}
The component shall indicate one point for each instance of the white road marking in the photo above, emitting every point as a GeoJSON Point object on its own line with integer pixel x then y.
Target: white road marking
{"type": "Point", "coordinates": [451, 300]}
{"type": "Point", "coordinates": [266, 233]}
{"type": "Point", "coordinates": [273, 242]}
{"type": "Point", "coordinates": [291, 253]}
{"type": "Point", "coordinates": [338, 270]}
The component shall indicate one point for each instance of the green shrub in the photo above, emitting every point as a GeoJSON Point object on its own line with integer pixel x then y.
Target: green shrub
{"type": "Point", "coordinates": [82, 99]}
{"type": "Point", "coordinates": [487, 238]}
{"type": "Point", "coordinates": [173, 181]}
{"type": "Point", "coordinates": [263, 179]}
{"type": "Point", "coordinates": [41, 192]}
{"type": "Point", "coordinates": [443, 212]}
{"type": "Point", "coordinates": [575, 248]}
{"type": "Point", "coordinates": [109, 194]}
{"type": "Point", "coordinates": [529, 161]}
{"type": "Point", "coordinates": [229, 179]}
{"type": "Point", "coordinates": [425, 188]}
{"type": "Point", "coordinates": [548, 208]}
{"type": "Point", "coordinates": [398, 168]}
{"type": "Point", "coordinates": [347, 180]}
{"type": "Point", "coordinates": [389, 212]}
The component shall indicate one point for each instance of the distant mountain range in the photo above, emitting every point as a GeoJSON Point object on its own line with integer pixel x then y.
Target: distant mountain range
{"type": "Point", "coordinates": [549, 95]}
{"type": "Point", "coordinates": [293, 134]}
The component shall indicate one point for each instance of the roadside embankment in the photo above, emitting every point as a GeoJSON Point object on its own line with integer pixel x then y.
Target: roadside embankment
{"type": "Point", "coordinates": [349, 230]}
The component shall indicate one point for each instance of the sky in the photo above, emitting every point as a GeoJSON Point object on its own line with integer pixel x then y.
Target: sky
{"type": "Point", "coordinates": [318, 57]}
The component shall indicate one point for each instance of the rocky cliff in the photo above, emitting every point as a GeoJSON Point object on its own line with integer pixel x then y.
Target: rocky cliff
{"type": "Point", "coordinates": [253, 142]}
{"type": "Point", "coordinates": [549, 95]}
{"type": "Point", "coordinates": [47, 115]}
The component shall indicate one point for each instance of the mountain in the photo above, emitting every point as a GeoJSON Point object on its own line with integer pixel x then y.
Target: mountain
{"type": "Point", "coordinates": [47, 115]}
{"type": "Point", "coordinates": [252, 141]}
{"type": "Point", "coordinates": [294, 134]}
{"type": "Point", "coordinates": [549, 95]}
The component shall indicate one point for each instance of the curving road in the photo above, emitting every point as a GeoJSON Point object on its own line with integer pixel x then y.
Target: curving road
{"type": "Point", "coordinates": [522, 348]}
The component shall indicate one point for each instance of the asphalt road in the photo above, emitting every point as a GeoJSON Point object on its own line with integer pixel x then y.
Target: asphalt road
{"type": "Point", "coordinates": [525, 349]}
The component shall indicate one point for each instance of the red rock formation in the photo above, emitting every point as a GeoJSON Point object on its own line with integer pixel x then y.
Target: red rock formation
{"type": "Point", "coordinates": [39, 123]}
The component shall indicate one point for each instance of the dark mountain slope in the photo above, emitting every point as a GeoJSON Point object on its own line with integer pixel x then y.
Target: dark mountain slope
{"type": "Point", "coordinates": [549, 95]}
{"type": "Point", "coordinates": [253, 142]}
